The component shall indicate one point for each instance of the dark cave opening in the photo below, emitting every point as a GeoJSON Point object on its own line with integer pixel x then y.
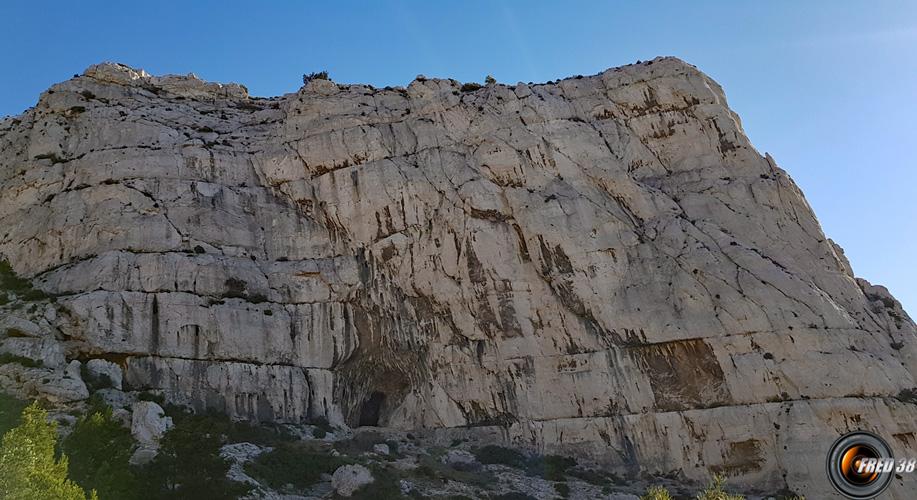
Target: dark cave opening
{"type": "Point", "coordinates": [372, 407]}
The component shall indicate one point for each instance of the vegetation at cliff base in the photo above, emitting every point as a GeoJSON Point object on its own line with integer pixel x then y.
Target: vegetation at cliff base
{"type": "Point", "coordinates": [93, 462]}
{"type": "Point", "coordinates": [656, 493]}
{"type": "Point", "coordinates": [189, 465]}
{"type": "Point", "coordinates": [715, 490]}
{"type": "Point", "coordinates": [29, 467]}
{"type": "Point", "coordinates": [292, 464]}
{"type": "Point", "coordinates": [10, 412]}
{"type": "Point", "coordinates": [100, 450]}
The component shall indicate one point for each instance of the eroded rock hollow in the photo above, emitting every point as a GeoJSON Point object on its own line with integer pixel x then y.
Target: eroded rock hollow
{"type": "Point", "coordinates": [603, 265]}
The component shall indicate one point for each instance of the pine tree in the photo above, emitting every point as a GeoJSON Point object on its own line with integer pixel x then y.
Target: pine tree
{"type": "Point", "coordinates": [28, 467]}
{"type": "Point", "coordinates": [100, 450]}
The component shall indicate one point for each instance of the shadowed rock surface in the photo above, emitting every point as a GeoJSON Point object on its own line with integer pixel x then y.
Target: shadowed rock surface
{"type": "Point", "coordinates": [600, 266]}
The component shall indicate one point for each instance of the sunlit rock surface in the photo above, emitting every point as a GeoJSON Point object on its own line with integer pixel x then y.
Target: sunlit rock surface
{"type": "Point", "coordinates": [601, 265]}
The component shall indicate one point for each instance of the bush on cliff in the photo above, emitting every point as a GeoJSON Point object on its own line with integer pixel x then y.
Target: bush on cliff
{"type": "Point", "coordinates": [20, 287]}
{"type": "Point", "coordinates": [318, 75]}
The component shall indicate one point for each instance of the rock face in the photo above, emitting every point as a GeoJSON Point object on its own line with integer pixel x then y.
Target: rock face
{"type": "Point", "coordinates": [107, 372]}
{"type": "Point", "coordinates": [602, 265]}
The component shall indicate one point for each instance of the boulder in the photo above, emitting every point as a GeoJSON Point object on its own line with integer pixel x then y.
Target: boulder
{"type": "Point", "coordinates": [116, 398]}
{"type": "Point", "coordinates": [143, 455]}
{"type": "Point", "coordinates": [149, 422]}
{"type": "Point", "coordinates": [15, 326]}
{"type": "Point", "coordinates": [349, 478]}
{"type": "Point", "coordinates": [122, 416]}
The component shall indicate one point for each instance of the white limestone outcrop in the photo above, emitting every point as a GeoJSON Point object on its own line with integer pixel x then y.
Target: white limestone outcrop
{"type": "Point", "coordinates": [600, 265]}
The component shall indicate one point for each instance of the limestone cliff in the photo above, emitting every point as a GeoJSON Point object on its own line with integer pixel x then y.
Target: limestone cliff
{"type": "Point", "coordinates": [601, 265]}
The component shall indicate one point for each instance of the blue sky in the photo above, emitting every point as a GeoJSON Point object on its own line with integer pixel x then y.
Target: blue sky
{"type": "Point", "coordinates": [829, 88]}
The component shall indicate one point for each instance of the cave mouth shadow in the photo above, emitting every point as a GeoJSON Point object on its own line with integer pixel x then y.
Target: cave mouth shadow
{"type": "Point", "coordinates": [371, 409]}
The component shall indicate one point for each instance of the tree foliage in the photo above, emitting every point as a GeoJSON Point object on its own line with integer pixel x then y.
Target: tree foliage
{"type": "Point", "coordinates": [293, 464]}
{"type": "Point", "coordinates": [29, 469]}
{"type": "Point", "coordinates": [716, 490]}
{"type": "Point", "coordinates": [656, 493]}
{"type": "Point", "coordinates": [100, 450]}
{"type": "Point", "coordinates": [318, 75]}
{"type": "Point", "coordinates": [189, 465]}
{"type": "Point", "coordinates": [10, 411]}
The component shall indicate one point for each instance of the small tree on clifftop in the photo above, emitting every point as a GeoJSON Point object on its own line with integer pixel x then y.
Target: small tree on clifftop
{"type": "Point", "coordinates": [320, 75]}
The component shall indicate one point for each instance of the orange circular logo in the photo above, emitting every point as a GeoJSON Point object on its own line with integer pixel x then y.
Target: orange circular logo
{"type": "Point", "coordinates": [859, 465]}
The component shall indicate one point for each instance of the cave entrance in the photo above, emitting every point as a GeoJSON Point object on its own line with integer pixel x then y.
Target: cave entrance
{"type": "Point", "coordinates": [372, 407]}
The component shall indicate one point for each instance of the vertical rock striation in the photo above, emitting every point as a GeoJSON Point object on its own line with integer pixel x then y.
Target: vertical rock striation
{"type": "Point", "coordinates": [601, 265]}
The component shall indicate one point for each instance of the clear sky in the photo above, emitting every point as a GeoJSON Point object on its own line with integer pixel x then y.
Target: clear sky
{"type": "Point", "coordinates": [829, 88]}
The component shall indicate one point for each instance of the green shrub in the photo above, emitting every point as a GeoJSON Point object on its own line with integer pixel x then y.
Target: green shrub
{"type": "Point", "coordinates": [10, 282]}
{"type": "Point", "coordinates": [470, 87]}
{"type": "Point", "coordinates": [292, 463]}
{"type": "Point", "coordinates": [235, 288]}
{"type": "Point", "coordinates": [489, 80]}
{"type": "Point", "coordinates": [99, 449]}
{"type": "Point", "coordinates": [715, 491]}
{"type": "Point", "coordinates": [385, 485]}
{"type": "Point", "coordinates": [562, 489]}
{"type": "Point", "coordinates": [550, 467]}
{"type": "Point", "coordinates": [431, 467]}
{"type": "Point", "coordinates": [228, 430]}
{"type": "Point", "coordinates": [592, 476]}
{"type": "Point", "coordinates": [10, 410]}
{"type": "Point", "coordinates": [321, 427]}
{"type": "Point", "coordinates": [656, 493]}
{"type": "Point", "coordinates": [152, 396]}
{"type": "Point", "coordinates": [28, 466]}
{"type": "Point", "coordinates": [493, 454]}
{"type": "Point", "coordinates": [26, 362]}
{"type": "Point", "coordinates": [360, 442]}
{"type": "Point", "coordinates": [320, 75]}
{"type": "Point", "coordinates": [189, 464]}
